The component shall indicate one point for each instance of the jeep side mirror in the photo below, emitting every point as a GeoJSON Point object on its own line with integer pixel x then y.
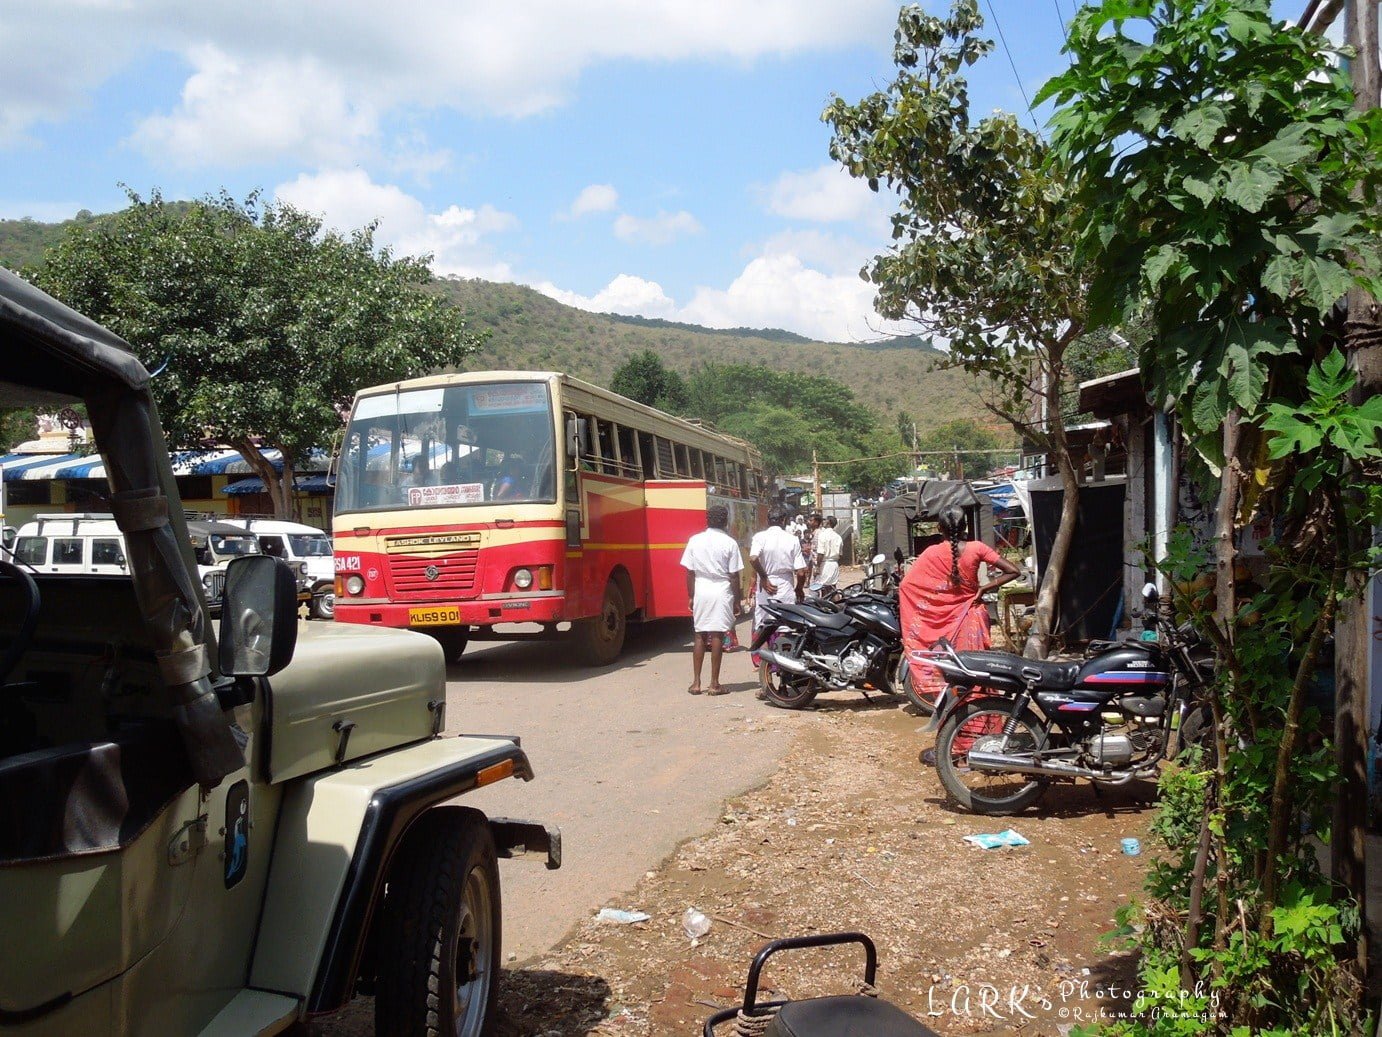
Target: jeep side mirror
{"type": "Point", "coordinates": [259, 617]}
{"type": "Point", "coordinates": [8, 535]}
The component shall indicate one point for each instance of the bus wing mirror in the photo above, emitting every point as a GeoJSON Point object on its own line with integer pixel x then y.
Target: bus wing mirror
{"type": "Point", "coordinates": [575, 437]}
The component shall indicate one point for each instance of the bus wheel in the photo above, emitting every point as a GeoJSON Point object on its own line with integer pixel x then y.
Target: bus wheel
{"type": "Point", "coordinates": [600, 639]}
{"type": "Point", "coordinates": [453, 641]}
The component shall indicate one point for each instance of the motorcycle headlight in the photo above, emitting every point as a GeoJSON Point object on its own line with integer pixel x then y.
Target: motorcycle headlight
{"type": "Point", "coordinates": [355, 586]}
{"type": "Point", "coordinates": [523, 579]}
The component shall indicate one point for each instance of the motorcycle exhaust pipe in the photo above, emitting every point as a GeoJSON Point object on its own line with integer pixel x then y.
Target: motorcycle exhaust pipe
{"type": "Point", "coordinates": [1003, 763]}
{"type": "Point", "coordinates": [783, 662]}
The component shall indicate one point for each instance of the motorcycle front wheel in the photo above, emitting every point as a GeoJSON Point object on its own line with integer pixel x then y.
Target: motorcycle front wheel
{"type": "Point", "coordinates": [979, 724]}
{"type": "Point", "coordinates": [780, 688]}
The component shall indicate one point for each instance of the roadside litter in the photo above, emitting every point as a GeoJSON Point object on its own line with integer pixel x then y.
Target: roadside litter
{"type": "Point", "coordinates": [1132, 847]}
{"type": "Point", "coordinates": [992, 841]}
{"type": "Point", "coordinates": [613, 914]}
{"type": "Point", "coordinates": [694, 924]}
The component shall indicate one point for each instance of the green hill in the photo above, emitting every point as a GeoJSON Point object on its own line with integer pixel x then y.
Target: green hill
{"type": "Point", "coordinates": [528, 330]}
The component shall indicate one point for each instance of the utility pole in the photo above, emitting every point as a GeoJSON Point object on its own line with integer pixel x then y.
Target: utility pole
{"type": "Point", "coordinates": [815, 480]}
{"type": "Point", "coordinates": [1363, 344]}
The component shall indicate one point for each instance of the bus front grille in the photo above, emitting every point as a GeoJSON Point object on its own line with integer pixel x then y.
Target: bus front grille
{"type": "Point", "coordinates": [427, 579]}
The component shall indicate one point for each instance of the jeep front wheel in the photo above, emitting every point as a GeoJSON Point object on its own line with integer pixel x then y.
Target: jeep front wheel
{"type": "Point", "coordinates": [439, 931]}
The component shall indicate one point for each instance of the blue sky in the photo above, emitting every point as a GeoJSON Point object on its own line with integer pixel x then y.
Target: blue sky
{"type": "Point", "coordinates": [658, 157]}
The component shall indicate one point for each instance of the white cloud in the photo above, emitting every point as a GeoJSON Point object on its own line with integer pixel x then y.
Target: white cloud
{"type": "Point", "coordinates": [233, 110]}
{"type": "Point", "coordinates": [826, 194]}
{"type": "Point", "coordinates": [778, 288]}
{"type": "Point", "coordinates": [625, 294]}
{"type": "Point", "coordinates": [592, 199]}
{"type": "Point", "coordinates": [456, 237]}
{"type": "Point", "coordinates": [662, 229]}
{"type": "Point", "coordinates": [330, 72]}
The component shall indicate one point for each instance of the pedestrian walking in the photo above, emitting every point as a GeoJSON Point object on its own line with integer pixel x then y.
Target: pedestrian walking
{"type": "Point", "coordinates": [776, 557]}
{"type": "Point", "coordinates": [713, 563]}
{"type": "Point", "coordinates": [828, 545]}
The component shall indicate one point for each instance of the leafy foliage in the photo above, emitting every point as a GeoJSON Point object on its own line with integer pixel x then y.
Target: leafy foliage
{"type": "Point", "coordinates": [644, 378]}
{"type": "Point", "coordinates": [970, 440]}
{"type": "Point", "coordinates": [263, 324]}
{"type": "Point", "coordinates": [1232, 193]}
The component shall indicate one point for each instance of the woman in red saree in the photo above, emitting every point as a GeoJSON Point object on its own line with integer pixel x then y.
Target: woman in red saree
{"type": "Point", "coordinates": [940, 597]}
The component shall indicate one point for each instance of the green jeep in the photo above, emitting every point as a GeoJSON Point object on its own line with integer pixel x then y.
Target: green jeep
{"type": "Point", "coordinates": [222, 833]}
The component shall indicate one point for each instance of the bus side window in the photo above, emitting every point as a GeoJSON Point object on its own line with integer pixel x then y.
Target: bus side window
{"type": "Point", "coordinates": [590, 453]}
{"type": "Point", "coordinates": [666, 463]}
{"type": "Point", "coordinates": [697, 464]}
{"type": "Point", "coordinates": [732, 479]}
{"type": "Point", "coordinates": [628, 452]}
{"type": "Point", "coordinates": [607, 447]}
{"type": "Point", "coordinates": [647, 454]}
{"type": "Point", "coordinates": [683, 461]}
{"type": "Point", "coordinates": [721, 480]}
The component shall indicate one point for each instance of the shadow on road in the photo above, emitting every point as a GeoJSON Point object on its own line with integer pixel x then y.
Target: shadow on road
{"type": "Point", "coordinates": [532, 1000]}
{"type": "Point", "coordinates": [556, 662]}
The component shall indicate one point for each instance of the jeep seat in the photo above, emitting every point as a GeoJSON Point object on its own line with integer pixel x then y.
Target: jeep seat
{"type": "Point", "coordinates": [89, 797]}
{"type": "Point", "coordinates": [845, 1016]}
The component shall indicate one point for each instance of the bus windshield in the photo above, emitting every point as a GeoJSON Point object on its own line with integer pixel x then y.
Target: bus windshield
{"type": "Point", "coordinates": [449, 446]}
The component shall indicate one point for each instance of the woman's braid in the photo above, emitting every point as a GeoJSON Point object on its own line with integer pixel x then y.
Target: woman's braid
{"type": "Point", "coordinates": [955, 557]}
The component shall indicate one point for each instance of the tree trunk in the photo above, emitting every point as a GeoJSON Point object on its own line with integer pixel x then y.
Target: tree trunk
{"type": "Point", "coordinates": [1363, 344]}
{"type": "Point", "coordinates": [1043, 621]}
{"type": "Point", "coordinates": [280, 498]}
{"type": "Point", "coordinates": [1225, 551]}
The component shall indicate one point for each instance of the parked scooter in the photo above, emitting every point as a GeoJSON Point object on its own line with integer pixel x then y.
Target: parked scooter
{"type": "Point", "coordinates": [854, 641]}
{"type": "Point", "coordinates": [1009, 726]}
{"type": "Point", "coordinates": [835, 1016]}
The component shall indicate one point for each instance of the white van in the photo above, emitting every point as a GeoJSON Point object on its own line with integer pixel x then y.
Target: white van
{"type": "Point", "coordinates": [306, 549]}
{"type": "Point", "coordinates": [88, 543]}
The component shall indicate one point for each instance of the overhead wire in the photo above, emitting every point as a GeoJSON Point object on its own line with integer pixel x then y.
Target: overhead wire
{"type": "Point", "coordinates": [1013, 65]}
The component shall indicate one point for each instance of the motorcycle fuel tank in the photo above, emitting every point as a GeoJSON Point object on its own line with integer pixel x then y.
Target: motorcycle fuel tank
{"type": "Point", "coordinates": [1136, 667]}
{"type": "Point", "coordinates": [876, 617]}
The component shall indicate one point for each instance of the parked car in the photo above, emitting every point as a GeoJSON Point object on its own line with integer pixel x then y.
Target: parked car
{"type": "Point", "coordinates": [305, 548]}
{"type": "Point", "coordinates": [92, 543]}
{"type": "Point", "coordinates": [231, 832]}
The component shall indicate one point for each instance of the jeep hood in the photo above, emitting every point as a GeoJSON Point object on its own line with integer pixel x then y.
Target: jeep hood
{"type": "Point", "coordinates": [54, 353]}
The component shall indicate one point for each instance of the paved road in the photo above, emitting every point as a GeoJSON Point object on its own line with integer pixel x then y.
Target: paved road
{"type": "Point", "coordinates": [628, 764]}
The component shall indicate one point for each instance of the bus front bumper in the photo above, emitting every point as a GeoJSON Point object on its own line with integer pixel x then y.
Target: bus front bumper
{"type": "Point", "coordinates": [546, 608]}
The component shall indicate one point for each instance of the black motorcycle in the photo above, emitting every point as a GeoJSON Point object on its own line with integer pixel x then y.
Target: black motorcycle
{"type": "Point", "coordinates": [1009, 726]}
{"type": "Point", "coordinates": [810, 647]}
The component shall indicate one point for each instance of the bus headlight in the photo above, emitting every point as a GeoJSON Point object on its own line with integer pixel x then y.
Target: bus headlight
{"type": "Point", "coordinates": [355, 586]}
{"type": "Point", "coordinates": [523, 579]}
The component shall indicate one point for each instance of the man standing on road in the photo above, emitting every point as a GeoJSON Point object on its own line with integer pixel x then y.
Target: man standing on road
{"type": "Point", "coordinates": [776, 557]}
{"type": "Point", "coordinates": [829, 544]}
{"type": "Point", "coordinates": [713, 563]}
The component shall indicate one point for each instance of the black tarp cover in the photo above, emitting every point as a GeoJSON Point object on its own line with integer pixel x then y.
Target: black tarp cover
{"type": "Point", "coordinates": [51, 351]}
{"type": "Point", "coordinates": [894, 518]}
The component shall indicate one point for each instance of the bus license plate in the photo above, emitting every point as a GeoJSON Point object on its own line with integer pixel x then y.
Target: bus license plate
{"type": "Point", "coordinates": [434, 617]}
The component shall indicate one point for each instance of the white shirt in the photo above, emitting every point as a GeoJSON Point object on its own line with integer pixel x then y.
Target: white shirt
{"type": "Point", "coordinates": [780, 553]}
{"type": "Point", "coordinates": [828, 544]}
{"type": "Point", "coordinates": [712, 554]}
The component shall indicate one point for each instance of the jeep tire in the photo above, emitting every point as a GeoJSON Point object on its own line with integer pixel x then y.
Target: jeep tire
{"type": "Point", "coordinates": [439, 931]}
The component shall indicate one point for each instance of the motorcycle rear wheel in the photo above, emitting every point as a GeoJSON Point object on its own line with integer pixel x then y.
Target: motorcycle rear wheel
{"type": "Point", "coordinates": [924, 706]}
{"type": "Point", "coordinates": [973, 723]}
{"type": "Point", "coordinates": [782, 689]}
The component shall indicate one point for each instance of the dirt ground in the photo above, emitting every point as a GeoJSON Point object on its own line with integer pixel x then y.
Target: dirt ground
{"type": "Point", "coordinates": [854, 832]}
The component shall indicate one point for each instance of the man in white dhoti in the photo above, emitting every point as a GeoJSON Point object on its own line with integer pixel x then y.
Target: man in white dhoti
{"type": "Point", "coordinates": [776, 557]}
{"type": "Point", "coordinates": [713, 563]}
{"type": "Point", "coordinates": [828, 545]}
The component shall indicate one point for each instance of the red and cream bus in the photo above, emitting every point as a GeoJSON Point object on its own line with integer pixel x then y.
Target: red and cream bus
{"type": "Point", "coordinates": [465, 502]}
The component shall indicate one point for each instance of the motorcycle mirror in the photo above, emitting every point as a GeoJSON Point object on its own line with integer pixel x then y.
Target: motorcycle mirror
{"type": "Point", "coordinates": [1150, 594]}
{"type": "Point", "coordinates": [898, 556]}
{"type": "Point", "coordinates": [878, 559]}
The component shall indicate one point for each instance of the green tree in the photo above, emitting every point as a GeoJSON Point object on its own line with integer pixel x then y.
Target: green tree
{"type": "Point", "coordinates": [984, 232]}
{"type": "Point", "coordinates": [261, 323]}
{"type": "Point", "coordinates": [16, 426]}
{"type": "Point", "coordinates": [1231, 192]}
{"type": "Point", "coordinates": [643, 377]}
{"type": "Point", "coordinates": [971, 442]}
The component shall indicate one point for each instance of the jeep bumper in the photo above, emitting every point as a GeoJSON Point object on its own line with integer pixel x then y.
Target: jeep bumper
{"type": "Point", "coordinates": [515, 838]}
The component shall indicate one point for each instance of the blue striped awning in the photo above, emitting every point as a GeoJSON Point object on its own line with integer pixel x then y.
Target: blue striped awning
{"type": "Point", "coordinates": [315, 484]}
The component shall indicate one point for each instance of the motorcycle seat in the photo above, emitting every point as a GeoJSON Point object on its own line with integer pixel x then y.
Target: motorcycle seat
{"type": "Point", "coordinates": [845, 1014]}
{"type": "Point", "coordinates": [1049, 676]}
